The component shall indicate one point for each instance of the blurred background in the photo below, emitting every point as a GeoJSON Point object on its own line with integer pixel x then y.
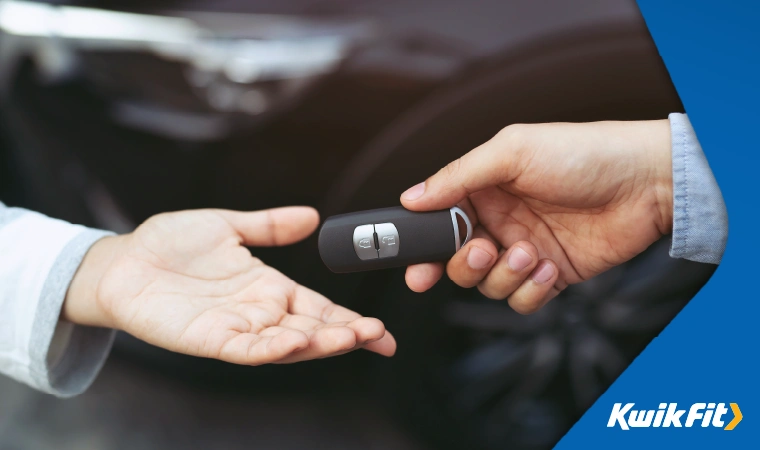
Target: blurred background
{"type": "Point", "coordinates": [112, 111]}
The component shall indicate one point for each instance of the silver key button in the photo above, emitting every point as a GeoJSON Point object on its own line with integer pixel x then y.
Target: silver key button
{"type": "Point", "coordinates": [388, 240]}
{"type": "Point", "coordinates": [364, 242]}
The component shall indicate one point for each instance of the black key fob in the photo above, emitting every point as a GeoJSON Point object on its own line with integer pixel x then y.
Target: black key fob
{"type": "Point", "coordinates": [391, 237]}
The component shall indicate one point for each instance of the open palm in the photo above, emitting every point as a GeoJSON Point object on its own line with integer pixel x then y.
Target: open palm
{"type": "Point", "coordinates": [186, 282]}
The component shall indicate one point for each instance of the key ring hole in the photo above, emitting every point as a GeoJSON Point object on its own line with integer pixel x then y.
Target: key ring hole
{"type": "Point", "coordinates": [462, 227]}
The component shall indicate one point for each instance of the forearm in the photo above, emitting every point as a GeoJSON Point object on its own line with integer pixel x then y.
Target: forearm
{"type": "Point", "coordinates": [40, 258]}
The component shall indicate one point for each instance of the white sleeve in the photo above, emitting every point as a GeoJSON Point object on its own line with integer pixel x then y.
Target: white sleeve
{"type": "Point", "coordinates": [38, 259]}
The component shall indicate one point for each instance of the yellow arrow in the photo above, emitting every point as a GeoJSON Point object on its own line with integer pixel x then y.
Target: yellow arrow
{"type": "Point", "coordinates": [737, 417]}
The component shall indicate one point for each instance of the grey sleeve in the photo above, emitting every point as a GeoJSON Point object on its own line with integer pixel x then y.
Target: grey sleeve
{"type": "Point", "coordinates": [36, 347]}
{"type": "Point", "coordinates": [700, 219]}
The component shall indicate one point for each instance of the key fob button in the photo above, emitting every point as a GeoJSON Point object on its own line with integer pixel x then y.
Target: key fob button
{"type": "Point", "coordinates": [370, 240]}
{"type": "Point", "coordinates": [364, 242]}
{"type": "Point", "coordinates": [388, 240]}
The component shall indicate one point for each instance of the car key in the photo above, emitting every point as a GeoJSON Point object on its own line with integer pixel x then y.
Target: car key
{"type": "Point", "coordinates": [391, 237]}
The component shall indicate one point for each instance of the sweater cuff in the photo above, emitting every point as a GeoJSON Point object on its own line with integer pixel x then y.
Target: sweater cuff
{"type": "Point", "coordinates": [40, 257]}
{"type": "Point", "coordinates": [66, 358]}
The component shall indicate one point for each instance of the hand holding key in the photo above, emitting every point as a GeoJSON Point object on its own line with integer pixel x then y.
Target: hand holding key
{"type": "Point", "coordinates": [552, 204]}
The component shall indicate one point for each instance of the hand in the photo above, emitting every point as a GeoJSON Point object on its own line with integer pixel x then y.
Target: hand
{"type": "Point", "coordinates": [184, 281]}
{"type": "Point", "coordinates": [554, 204]}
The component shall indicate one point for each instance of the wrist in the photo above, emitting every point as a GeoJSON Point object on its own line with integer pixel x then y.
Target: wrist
{"type": "Point", "coordinates": [81, 305]}
{"type": "Point", "coordinates": [661, 182]}
{"type": "Point", "coordinates": [664, 206]}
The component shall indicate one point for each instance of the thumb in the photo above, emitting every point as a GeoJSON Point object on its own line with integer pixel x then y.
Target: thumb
{"type": "Point", "coordinates": [487, 165]}
{"type": "Point", "coordinates": [272, 227]}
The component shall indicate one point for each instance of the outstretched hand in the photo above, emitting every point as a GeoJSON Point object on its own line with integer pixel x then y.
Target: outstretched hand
{"type": "Point", "coordinates": [553, 204]}
{"type": "Point", "coordinates": [186, 282]}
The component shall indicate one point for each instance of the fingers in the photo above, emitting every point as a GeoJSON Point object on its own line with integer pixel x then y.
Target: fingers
{"type": "Point", "coordinates": [325, 342]}
{"type": "Point", "coordinates": [371, 335]}
{"type": "Point", "coordinates": [284, 344]}
{"type": "Point", "coordinates": [472, 263]}
{"type": "Point", "coordinates": [385, 346]}
{"type": "Point", "coordinates": [517, 275]}
{"type": "Point", "coordinates": [334, 339]}
{"type": "Point", "coordinates": [366, 330]}
{"type": "Point", "coordinates": [287, 345]}
{"type": "Point", "coordinates": [535, 292]}
{"type": "Point", "coordinates": [253, 349]}
{"type": "Point", "coordinates": [421, 277]}
{"type": "Point", "coordinates": [315, 305]}
{"type": "Point", "coordinates": [487, 165]}
{"type": "Point", "coordinates": [272, 227]}
{"type": "Point", "coordinates": [512, 269]}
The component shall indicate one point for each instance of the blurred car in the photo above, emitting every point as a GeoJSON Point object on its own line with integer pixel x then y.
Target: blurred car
{"type": "Point", "coordinates": [115, 111]}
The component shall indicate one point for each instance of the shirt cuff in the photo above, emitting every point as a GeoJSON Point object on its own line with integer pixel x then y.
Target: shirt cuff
{"type": "Point", "coordinates": [700, 219]}
{"type": "Point", "coordinates": [66, 358]}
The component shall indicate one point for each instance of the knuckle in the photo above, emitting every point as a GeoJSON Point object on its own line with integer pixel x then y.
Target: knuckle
{"type": "Point", "coordinates": [327, 311]}
{"type": "Point", "coordinates": [465, 282]}
{"type": "Point", "coordinates": [524, 306]}
{"type": "Point", "coordinates": [488, 292]}
{"type": "Point", "coordinates": [513, 135]}
{"type": "Point", "coordinates": [271, 228]}
{"type": "Point", "coordinates": [528, 246]}
{"type": "Point", "coordinates": [459, 276]}
{"type": "Point", "coordinates": [452, 169]}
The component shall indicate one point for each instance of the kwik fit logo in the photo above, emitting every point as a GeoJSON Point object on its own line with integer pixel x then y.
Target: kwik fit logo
{"type": "Point", "coordinates": [668, 415]}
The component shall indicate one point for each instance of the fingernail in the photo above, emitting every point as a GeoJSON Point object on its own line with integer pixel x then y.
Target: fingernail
{"type": "Point", "coordinates": [519, 259]}
{"type": "Point", "coordinates": [478, 258]}
{"type": "Point", "coordinates": [414, 192]}
{"type": "Point", "coordinates": [544, 273]}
